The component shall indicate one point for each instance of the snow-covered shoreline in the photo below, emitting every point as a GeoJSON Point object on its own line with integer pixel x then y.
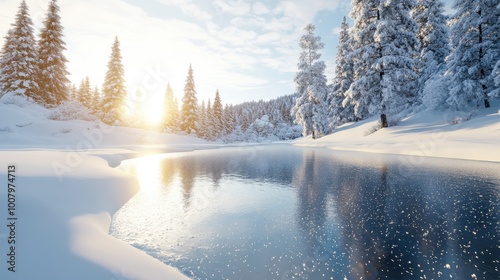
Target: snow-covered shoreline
{"type": "Point", "coordinates": [425, 134]}
{"type": "Point", "coordinates": [62, 223]}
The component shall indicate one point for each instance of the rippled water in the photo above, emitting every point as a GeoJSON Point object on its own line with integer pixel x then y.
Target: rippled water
{"type": "Point", "coordinates": [279, 212]}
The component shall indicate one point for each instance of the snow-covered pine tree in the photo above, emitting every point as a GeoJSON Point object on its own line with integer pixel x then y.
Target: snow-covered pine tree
{"type": "Point", "coordinates": [202, 121]}
{"type": "Point", "coordinates": [311, 110]}
{"type": "Point", "coordinates": [96, 101]}
{"type": "Point", "coordinates": [396, 37]}
{"type": "Point", "coordinates": [343, 79]}
{"type": "Point", "coordinates": [217, 111]}
{"type": "Point", "coordinates": [113, 89]}
{"type": "Point", "coordinates": [171, 110]}
{"type": "Point", "coordinates": [365, 93]}
{"type": "Point", "coordinates": [490, 27]}
{"type": "Point", "coordinates": [474, 51]}
{"type": "Point", "coordinates": [496, 78]}
{"type": "Point", "coordinates": [6, 64]}
{"type": "Point", "coordinates": [207, 122]}
{"type": "Point", "coordinates": [19, 65]}
{"type": "Point", "coordinates": [85, 95]}
{"type": "Point", "coordinates": [73, 92]}
{"type": "Point", "coordinates": [229, 120]}
{"type": "Point", "coordinates": [189, 111]}
{"type": "Point", "coordinates": [433, 36]}
{"type": "Point", "coordinates": [52, 75]}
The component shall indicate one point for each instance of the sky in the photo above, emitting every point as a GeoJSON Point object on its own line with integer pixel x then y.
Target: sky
{"type": "Point", "coordinates": [247, 49]}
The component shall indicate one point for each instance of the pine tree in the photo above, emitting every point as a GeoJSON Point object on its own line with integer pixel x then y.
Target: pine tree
{"type": "Point", "coordinates": [475, 43]}
{"type": "Point", "coordinates": [113, 89]}
{"type": "Point", "coordinates": [207, 122]}
{"type": "Point", "coordinates": [85, 95]}
{"type": "Point", "coordinates": [202, 115]}
{"type": "Point", "coordinates": [52, 75]}
{"type": "Point", "coordinates": [96, 101]}
{"type": "Point", "coordinates": [310, 109]}
{"type": "Point", "coordinates": [217, 117]}
{"type": "Point", "coordinates": [73, 92]}
{"type": "Point", "coordinates": [171, 110]}
{"type": "Point", "coordinates": [365, 93]}
{"type": "Point", "coordinates": [433, 36]}
{"type": "Point", "coordinates": [189, 111]}
{"type": "Point", "coordinates": [6, 62]}
{"type": "Point", "coordinates": [496, 77]}
{"type": "Point", "coordinates": [19, 57]}
{"type": "Point", "coordinates": [343, 79]}
{"type": "Point", "coordinates": [490, 27]}
{"type": "Point", "coordinates": [396, 37]}
{"type": "Point", "coordinates": [229, 119]}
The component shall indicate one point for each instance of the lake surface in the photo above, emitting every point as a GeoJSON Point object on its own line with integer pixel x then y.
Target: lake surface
{"type": "Point", "coordinates": [281, 212]}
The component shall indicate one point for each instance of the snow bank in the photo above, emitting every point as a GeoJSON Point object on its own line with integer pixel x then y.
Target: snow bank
{"type": "Point", "coordinates": [63, 222]}
{"type": "Point", "coordinates": [425, 134]}
{"type": "Point", "coordinates": [66, 193]}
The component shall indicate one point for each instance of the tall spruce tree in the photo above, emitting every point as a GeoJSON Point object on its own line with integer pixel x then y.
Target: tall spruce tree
{"type": "Point", "coordinates": [217, 116]}
{"type": "Point", "coordinates": [85, 95]}
{"type": "Point", "coordinates": [207, 123]}
{"type": "Point", "coordinates": [113, 89]}
{"type": "Point", "coordinates": [19, 57]}
{"type": "Point", "coordinates": [311, 110]}
{"type": "Point", "coordinates": [73, 93]}
{"type": "Point", "coordinates": [202, 121]}
{"type": "Point", "coordinates": [171, 115]}
{"type": "Point", "coordinates": [6, 62]}
{"type": "Point", "coordinates": [344, 76]}
{"type": "Point", "coordinates": [396, 37]}
{"type": "Point", "coordinates": [230, 119]}
{"type": "Point", "coordinates": [52, 76]}
{"type": "Point", "coordinates": [365, 92]}
{"type": "Point", "coordinates": [189, 111]}
{"type": "Point", "coordinates": [475, 44]}
{"type": "Point", "coordinates": [434, 38]}
{"type": "Point", "coordinates": [490, 51]}
{"type": "Point", "coordinates": [96, 101]}
{"type": "Point", "coordinates": [496, 78]}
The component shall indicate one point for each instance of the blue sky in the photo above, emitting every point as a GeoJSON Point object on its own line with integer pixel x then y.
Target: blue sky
{"type": "Point", "coordinates": [247, 49]}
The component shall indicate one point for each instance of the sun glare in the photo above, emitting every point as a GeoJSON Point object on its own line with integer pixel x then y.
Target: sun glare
{"type": "Point", "coordinates": [148, 172]}
{"type": "Point", "coordinates": [151, 113]}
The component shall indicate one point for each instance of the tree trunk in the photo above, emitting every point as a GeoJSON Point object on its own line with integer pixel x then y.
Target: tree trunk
{"type": "Point", "coordinates": [383, 120]}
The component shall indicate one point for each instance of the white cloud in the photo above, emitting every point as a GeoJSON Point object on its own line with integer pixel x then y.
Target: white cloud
{"type": "Point", "coordinates": [233, 7]}
{"type": "Point", "coordinates": [188, 8]}
{"type": "Point", "coordinates": [260, 9]}
{"type": "Point", "coordinates": [336, 30]}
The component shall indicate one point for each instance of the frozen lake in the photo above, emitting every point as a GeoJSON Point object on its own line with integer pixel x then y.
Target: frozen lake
{"type": "Point", "coordinates": [281, 212]}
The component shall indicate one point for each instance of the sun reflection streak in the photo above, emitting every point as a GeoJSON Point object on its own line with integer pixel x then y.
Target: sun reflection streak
{"type": "Point", "coordinates": [148, 174]}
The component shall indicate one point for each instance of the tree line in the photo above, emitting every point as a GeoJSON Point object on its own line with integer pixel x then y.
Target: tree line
{"type": "Point", "coordinates": [401, 56]}
{"type": "Point", "coordinates": [211, 120]}
{"type": "Point", "coordinates": [36, 69]}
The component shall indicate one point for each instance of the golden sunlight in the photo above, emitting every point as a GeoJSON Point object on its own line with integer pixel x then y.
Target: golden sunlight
{"type": "Point", "coordinates": [149, 113]}
{"type": "Point", "coordinates": [154, 112]}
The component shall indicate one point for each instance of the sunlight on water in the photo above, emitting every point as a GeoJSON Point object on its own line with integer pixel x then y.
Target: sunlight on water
{"type": "Point", "coordinates": [290, 213]}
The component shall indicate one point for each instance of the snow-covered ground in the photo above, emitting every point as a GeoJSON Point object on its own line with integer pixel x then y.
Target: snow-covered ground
{"type": "Point", "coordinates": [425, 134]}
{"type": "Point", "coordinates": [66, 192]}
{"type": "Point", "coordinates": [66, 189]}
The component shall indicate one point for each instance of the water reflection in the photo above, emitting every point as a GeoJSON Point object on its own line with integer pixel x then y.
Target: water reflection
{"type": "Point", "coordinates": [289, 213]}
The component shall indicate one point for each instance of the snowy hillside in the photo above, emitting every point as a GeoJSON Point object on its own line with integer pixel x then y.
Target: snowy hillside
{"type": "Point", "coordinates": [425, 134]}
{"type": "Point", "coordinates": [66, 192]}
